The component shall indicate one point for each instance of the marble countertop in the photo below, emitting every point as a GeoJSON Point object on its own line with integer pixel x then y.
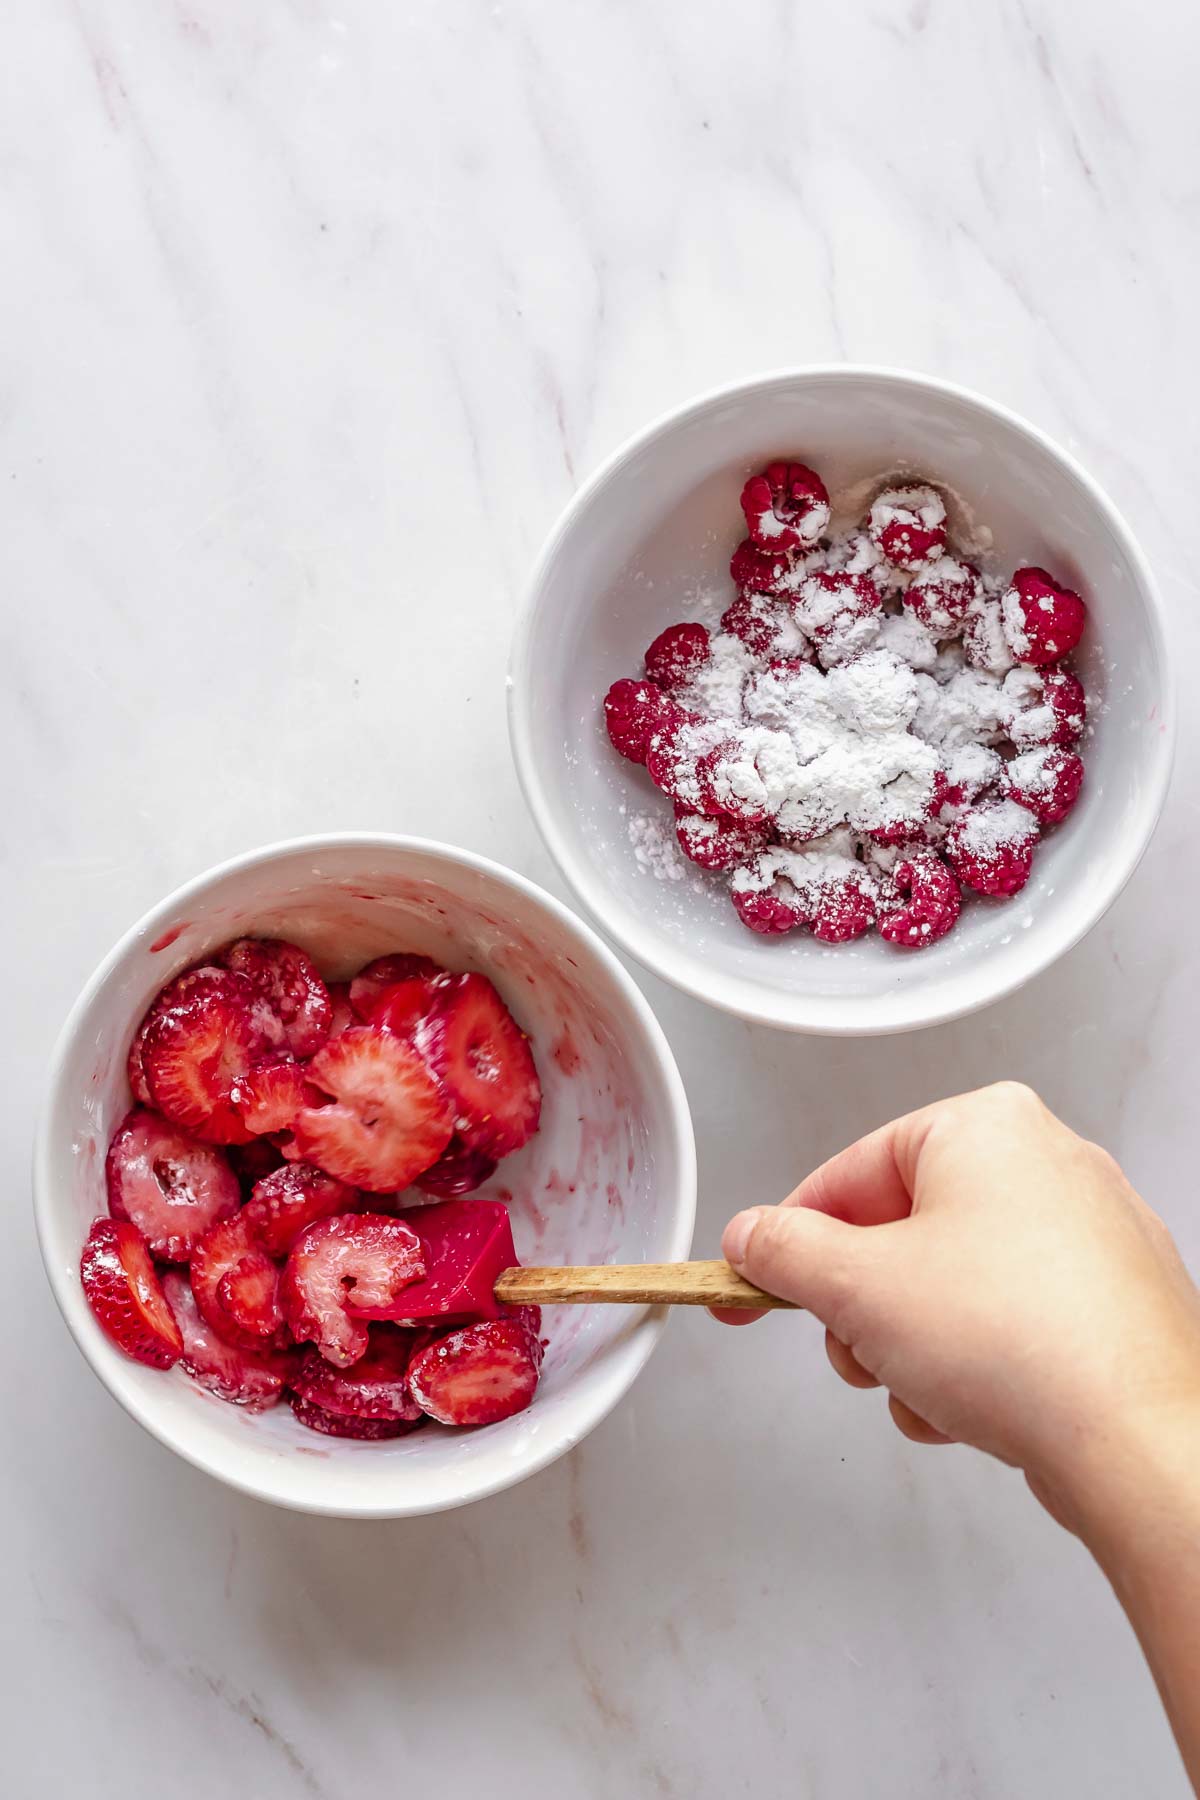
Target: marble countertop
{"type": "Point", "coordinates": [313, 317]}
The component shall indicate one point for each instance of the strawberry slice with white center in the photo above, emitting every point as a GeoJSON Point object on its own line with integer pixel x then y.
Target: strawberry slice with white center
{"type": "Point", "coordinates": [366, 1258]}
{"type": "Point", "coordinates": [193, 984]}
{"type": "Point", "coordinates": [375, 1388]}
{"type": "Point", "coordinates": [351, 1425]}
{"type": "Point", "coordinates": [253, 1379]}
{"type": "Point", "coordinates": [193, 1056]}
{"type": "Point", "coordinates": [271, 1095]}
{"type": "Point", "coordinates": [123, 1290]}
{"type": "Point", "coordinates": [372, 983]}
{"type": "Point", "coordinates": [388, 1120]}
{"type": "Point", "coordinates": [169, 1184]}
{"type": "Point", "coordinates": [479, 1375]}
{"type": "Point", "coordinates": [237, 1286]}
{"type": "Point", "coordinates": [288, 1200]}
{"type": "Point", "coordinates": [289, 983]}
{"type": "Point", "coordinates": [482, 1059]}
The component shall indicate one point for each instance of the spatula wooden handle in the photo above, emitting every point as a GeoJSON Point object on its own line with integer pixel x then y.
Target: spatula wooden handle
{"type": "Point", "coordinates": [634, 1284]}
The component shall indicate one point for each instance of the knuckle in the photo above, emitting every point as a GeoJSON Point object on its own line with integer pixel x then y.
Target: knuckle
{"type": "Point", "coordinates": [1015, 1097]}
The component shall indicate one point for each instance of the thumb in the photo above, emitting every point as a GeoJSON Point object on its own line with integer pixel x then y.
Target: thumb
{"type": "Point", "coordinates": [808, 1257]}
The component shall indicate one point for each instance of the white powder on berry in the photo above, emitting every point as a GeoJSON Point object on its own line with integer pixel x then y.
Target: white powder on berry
{"type": "Point", "coordinates": [1012, 612]}
{"type": "Point", "coordinates": [918, 505]}
{"type": "Point", "coordinates": [1005, 825]}
{"type": "Point", "coordinates": [840, 708]}
{"type": "Point", "coordinates": [966, 709]}
{"type": "Point", "coordinates": [904, 635]}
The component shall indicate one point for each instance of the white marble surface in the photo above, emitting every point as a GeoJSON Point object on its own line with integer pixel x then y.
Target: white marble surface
{"type": "Point", "coordinates": [312, 316]}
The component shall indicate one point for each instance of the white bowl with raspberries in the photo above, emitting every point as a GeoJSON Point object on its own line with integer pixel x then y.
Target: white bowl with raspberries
{"type": "Point", "coordinates": [841, 697]}
{"type": "Point", "coordinates": [302, 1117]}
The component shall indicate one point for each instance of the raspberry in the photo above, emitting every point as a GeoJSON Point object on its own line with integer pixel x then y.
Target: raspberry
{"type": "Point", "coordinates": [729, 782]}
{"type": "Point", "coordinates": [972, 771]}
{"type": "Point", "coordinates": [1046, 780]}
{"type": "Point", "coordinates": [764, 912]}
{"type": "Point", "coordinates": [1044, 706]}
{"type": "Point", "coordinates": [718, 844]}
{"type": "Point", "coordinates": [633, 711]}
{"type": "Point", "coordinates": [758, 571]}
{"type": "Point", "coordinates": [991, 847]}
{"type": "Point", "coordinates": [984, 643]}
{"type": "Point", "coordinates": [676, 655]}
{"type": "Point", "coordinates": [1042, 621]}
{"type": "Point", "coordinates": [844, 910]}
{"type": "Point", "coordinates": [909, 525]}
{"type": "Point", "coordinates": [841, 612]}
{"type": "Point", "coordinates": [942, 593]}
{"type": "Point", "coordinates": [784, 506]}
{"type": "Point", "coordinates": [672, 758]}
{"type": "Point", "coordinates": [766, 627]}
{"type": "Point", "coordinates": [927, 903]}
{"type": "Point", "coordinates": [904, 828]}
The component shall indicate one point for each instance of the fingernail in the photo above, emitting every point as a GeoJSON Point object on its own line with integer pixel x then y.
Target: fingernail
{"type": "Point", "coordinates": [737, 1234]}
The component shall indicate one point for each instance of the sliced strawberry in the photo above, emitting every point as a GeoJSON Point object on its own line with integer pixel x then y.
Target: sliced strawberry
{"type": "Point", "coordinates": [271, 1095]}
{"type": "Point", "coordinates": [366, 1258]}
{"type": "Point", "coordinates": [375, 1388]}
{"type": "Point", "coordinates": [193, 984]}
{"type": "Point", "coordinates": [236, 1286]}
{"type": "Point", "coordinates": [458, 1170]}
{"type": "Point", "coordinates": [528, 1316]}
{"type": "Point", "coordinates": [289, 983]}
{"type": "Point", "coordinates": [465, 1246]}
{"type": "Point", "coordinates": [479, 1375]}
{"type": "Point", "coordinates": [401, 1008]}
{"type": "Point", "coordinates": [253, 1379]}
{"type": "Point", "coordinates": [169, 1184]}
{"type": "Point", "coordinates": [371, 983]}
{"type": "Point", "coordinates": [193, 1056]}
{"type": "Point", "coordinates": [350, 1425]}
{"type": "Point", "coordinates": [482, 1059]}
{"type": "Point", "coordinates": [254, 1161]}
{"type": "Point", "coordinates": [249, 1293]}
{"type": "Point", "coordinates": [290, 1199]}
{"type": "Point", "coordinates": [344, 1014]}
{"type": "Point", "coordinates": [388, 1120]}
{"type": "Point", "coordinates": [124, 1292]}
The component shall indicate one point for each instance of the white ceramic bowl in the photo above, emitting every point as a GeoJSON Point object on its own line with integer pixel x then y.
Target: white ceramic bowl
{"type": "Point", "coordinates": [610, 1176]}
{"type": "Point", "coordinates": [658, 522]}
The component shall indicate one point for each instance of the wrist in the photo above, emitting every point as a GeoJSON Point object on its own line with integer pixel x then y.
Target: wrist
{"type": "Point", "coordinates": [1129, 1487]}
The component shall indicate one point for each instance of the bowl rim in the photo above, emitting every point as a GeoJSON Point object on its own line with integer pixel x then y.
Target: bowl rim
{"type": "Point", "coordinates": [787, 1011]}
{"type": "Point", "coordinates": [107, 1361]}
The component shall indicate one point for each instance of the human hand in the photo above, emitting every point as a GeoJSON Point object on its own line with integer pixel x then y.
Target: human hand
{"type": "Point", "coordinates": [1013, 1292]}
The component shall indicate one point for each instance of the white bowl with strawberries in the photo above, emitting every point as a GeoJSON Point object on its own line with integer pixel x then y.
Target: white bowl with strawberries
{"type": "Point", "coordinates": [302, 1118]}
{"type": "Point", "coordinates": [867, 696]}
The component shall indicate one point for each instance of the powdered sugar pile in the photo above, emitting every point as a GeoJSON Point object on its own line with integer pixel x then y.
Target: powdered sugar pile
{"type": "Point", "coordinates": [839, 746]}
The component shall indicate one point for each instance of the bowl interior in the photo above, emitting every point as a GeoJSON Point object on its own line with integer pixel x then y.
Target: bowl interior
{"type": "Point", "coordinates": [608, 1177]}
{"type": "Point", "coordinates": [648, 542]}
